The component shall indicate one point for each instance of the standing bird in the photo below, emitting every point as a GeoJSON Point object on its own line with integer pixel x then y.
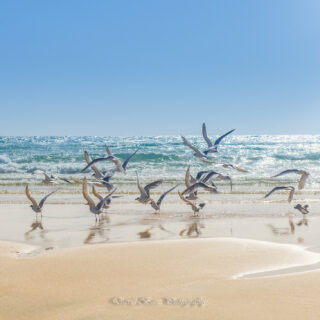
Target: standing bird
{"type": "Point", "coordinates": [303, 209]}
{"type": "Point", "coordinates": [145, 191]}
{"type": "Point", "coordinates": [194, 207]}
{"type": "Point", "coordinates": [37, 208]}
{"type": "Point", "coordinates": [212, 147]}
{"type": "Point", "coordinates": [303, 176]}
{"type": "Point", "coordinates": [156, 205]}
{"type": "Point", "coordinates": [291, 193]}
{"type": "Point", "coordinates": [95, 209]}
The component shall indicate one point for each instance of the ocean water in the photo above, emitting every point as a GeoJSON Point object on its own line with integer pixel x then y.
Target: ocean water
{"type": "Point", "coordinates": [163, 157]}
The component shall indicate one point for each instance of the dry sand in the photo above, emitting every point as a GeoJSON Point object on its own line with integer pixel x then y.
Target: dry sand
{"type": "Point", "coordinates": [78, 283]}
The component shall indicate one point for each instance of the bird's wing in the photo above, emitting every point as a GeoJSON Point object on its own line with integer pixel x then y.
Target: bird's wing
{"type": "Point", "coordinates": [205, 136]}
{"type": "Point", "coordinates": [184, 199]}
{"type": "Point", "coordinates": [125, 163]}
{"type": "Point", "coordinates": [41, 203]}
{"type": "Point", "coordinates": [34, 202]}
{"type": "Point", "coordinates": [86, 156]}
{"type": "Point", "coordinates": [192, 179]}
{"type": "Point", "coordinates": [143, 192]}
{"type": "Point", "coordinates": [103, 201]}
{"type": "Point", "coordinates": [188, 144]}
{"type": "Point", "coordinates": [273, 190]}
{"type": "Point", "coordinates": [108, 151]}
{"type": "Point", "coordinates": [76, 180]}
{"type": "Point", "coordinates": [240, 169]}
{"type": "Point", "coordinates": [64, 179]}
{"type": "Point", "coordinates": [86, 194]}
{"type": "Point", "coordinates": [47, 177]}
{"type": "Point", "coordinates": [201, 173]}
{"type": "Point", "coordinates": [302, 181]}
{"type": "Point", "coordinates": [285, 172]}
{"type": "Point", "coordinates": [117, 162]}
{"type": "Point", "coordinates": [208, 176]}
{"type": "Point", "coordinates": [96, 194]}
{"type": "Point", "coordinates": [152, 185]}
{"type": "Point", "coordinates": [223, 136]}
{"type": "Point", "coordinates": [204, 186]}
{"type": "Point", "coordinates": [93, 167]}
{"type": "Point", "coordinates": [291, 194]}
{"type": "Point", "coordinates": [109, 158]}
{"type": "Point", "coordinates": [187, 178]}
{"type": "Point", "coordinates": [163, 195]}
{"type": "Point", "coordinates": [192, 188]}
{"type": "Point", "coordinates": [103, 185]}
{"type": "Point", "coordinates": [206, 160]}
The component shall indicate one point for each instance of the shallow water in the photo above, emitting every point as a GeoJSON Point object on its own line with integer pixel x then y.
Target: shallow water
{"type": "Point", "coordinates": [163, 156]}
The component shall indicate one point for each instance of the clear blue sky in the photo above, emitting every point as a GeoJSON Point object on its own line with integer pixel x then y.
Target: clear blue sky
{"type": "Point", "coordinates": [148, 67]}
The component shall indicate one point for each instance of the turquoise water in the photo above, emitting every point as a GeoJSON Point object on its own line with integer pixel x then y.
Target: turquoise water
{"type": "Point", "coordinates": [161, 157]}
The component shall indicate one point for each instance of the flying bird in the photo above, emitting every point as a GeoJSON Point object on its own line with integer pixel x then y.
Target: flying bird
{"type": "Point", "coordinates": [37, 208]}
{"type": "Point", "coordinates": [212, 147]}
{"type": "Point", "coordinates": [145, 191]}
{"type": "Point", "coordinates": [303, 176]}
{"type": "Point", "coordinates": [156, 205]}
{"type": "Point", "coordinates": [289, 188]}
{"type": "Point", "coordinates": [195, 208]}
{"type": "Point", "coordinates": [197, 153]}
{"type": "Point", "coordinates": [121, 166]}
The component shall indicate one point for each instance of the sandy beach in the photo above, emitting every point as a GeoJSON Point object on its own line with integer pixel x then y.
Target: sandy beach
{"type": "Point", "coordinates": [152, 280]}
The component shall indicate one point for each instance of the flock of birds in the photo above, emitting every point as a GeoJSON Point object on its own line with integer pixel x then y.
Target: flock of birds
{"type": "Point", "coordinates": [202, 180]}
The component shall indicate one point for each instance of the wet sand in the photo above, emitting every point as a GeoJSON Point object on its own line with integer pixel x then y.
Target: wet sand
{"type": "Point", "coordinates": [67, 221]}
{"type": "Point", "coordinates": [80, 283]}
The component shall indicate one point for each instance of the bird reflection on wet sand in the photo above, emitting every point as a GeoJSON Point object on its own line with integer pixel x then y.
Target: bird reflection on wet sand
{"type": "Point", "coordinates": [193, 230]}
{"type": "Point", "coordinates": [282, 231]}
{"type": "Point", "coordinates": [98, 230]}
{"type": "Point", "coordinates": [302, 222]}
{"type": "Point", "coordinates": [145, 234]}
{"type": "Point", "coordinates": [36, 224]}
